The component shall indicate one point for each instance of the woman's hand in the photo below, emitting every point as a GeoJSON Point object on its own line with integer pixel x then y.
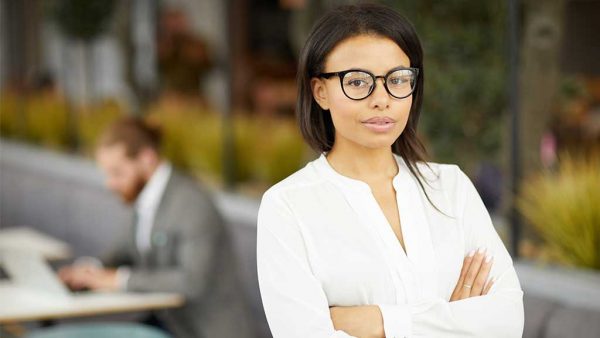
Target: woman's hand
{"type": "Point", "coordinates": [358, 321]}
{"type": "Point", "coordinates": [473, 276]}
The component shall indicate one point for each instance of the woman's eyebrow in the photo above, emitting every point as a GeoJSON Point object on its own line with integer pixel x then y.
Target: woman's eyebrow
{"type": "Point", "coordinates": [370, 69]}
{"type": "Point", "coordinates": [384, 72]}
{"type": "Point", "coordinates": [398, 66]}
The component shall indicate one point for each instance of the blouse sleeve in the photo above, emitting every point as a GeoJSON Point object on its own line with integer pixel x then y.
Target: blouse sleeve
{"type": "Point", "coordinates": [293, 300]}
{"type": "Point", "coordinates": [497, 314]}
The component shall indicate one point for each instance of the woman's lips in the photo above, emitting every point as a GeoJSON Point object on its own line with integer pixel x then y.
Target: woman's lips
{"type": "Point", "coordinates": [379, 124]}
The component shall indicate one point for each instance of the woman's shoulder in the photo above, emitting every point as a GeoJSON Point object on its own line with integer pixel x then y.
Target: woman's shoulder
{"type": "Point", "coordinates": [446, 184]}
{"type": "Point", "coordinates": [444, 174]}
{"type": "Point", "coordinates": [305, 178]}
{"type": "Point", "coordinates": [445, 177]}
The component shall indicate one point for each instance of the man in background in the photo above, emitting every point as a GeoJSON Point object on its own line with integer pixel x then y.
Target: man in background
{"type": "Point", "coordinates": [177, 242]}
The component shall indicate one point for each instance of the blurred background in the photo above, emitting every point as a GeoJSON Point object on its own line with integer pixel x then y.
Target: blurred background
{"type": "Point", "coordinates": [512, 95]}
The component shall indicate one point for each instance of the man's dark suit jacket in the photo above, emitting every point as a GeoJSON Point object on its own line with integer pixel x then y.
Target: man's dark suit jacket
{"type": "Point", "coordinates": [191, 253]}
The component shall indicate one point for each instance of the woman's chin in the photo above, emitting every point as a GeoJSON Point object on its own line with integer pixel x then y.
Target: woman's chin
{"type": "Point", "coordinates": [378, 144]}
{"type": "Point", "coordinates": [368, 141]}
{"type": "Point", "coordinates": [381, 141]}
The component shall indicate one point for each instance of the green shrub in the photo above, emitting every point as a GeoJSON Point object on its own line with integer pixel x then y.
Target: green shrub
{"type": "Point", "coordinates": [9, 115]}
{"type": "Point", "coordinates": [564, 207]}
{"type": "Point", "coordinates": [265, 150]}
{"type": "Point", "coordinates": [191, 138]}
{"type": "Point", "coordinates": [92, 122]}
{"type": "Point", "coordinates": [39, 119]}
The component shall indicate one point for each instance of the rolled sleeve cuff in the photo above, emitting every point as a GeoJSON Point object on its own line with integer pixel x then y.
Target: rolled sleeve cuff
{"type": "Point", "coordinates": [397, 321]}
{"type": "Point", "coordinates": [123, 274]}
{"type": "Point", "coordinates": [88, 261]}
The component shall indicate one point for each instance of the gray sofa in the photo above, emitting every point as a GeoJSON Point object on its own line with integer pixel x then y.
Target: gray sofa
{"type": "Point", "coordinates": [63, 196]}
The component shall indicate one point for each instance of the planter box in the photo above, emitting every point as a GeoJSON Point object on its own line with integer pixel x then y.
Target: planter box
{"type": "Point", "coordinates": [559, 301]}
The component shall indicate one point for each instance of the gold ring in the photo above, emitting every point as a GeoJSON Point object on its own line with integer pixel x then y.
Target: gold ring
{"type": "Point", "coordinates": [467, 286]}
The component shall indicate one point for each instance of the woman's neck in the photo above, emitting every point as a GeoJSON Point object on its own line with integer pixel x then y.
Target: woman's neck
{"type": "Point", "coordinates": [361, 163]}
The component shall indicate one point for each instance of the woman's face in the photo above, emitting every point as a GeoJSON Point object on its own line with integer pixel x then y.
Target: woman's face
{"type": "Point", "coordinates": [378, 120]}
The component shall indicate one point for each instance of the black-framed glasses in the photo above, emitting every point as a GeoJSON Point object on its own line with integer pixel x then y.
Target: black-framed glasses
{"type": "Point", "coordinates": [358, 84]}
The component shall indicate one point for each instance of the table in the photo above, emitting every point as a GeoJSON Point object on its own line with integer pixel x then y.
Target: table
{"type": "Point", "coordinates": [19, 304]}
{"type": "Point", "coordinates": [23, 302]}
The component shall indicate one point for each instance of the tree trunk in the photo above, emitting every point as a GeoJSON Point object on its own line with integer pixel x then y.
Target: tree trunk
{"type": "Point", "coordinates": [539, 76]}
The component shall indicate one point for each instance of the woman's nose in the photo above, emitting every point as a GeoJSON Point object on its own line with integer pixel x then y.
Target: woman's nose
{"type": "Point", "coordinates": [380, 98]}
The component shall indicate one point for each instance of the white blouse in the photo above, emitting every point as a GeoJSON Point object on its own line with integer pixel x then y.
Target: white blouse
{"type": "Point", "coordinates": [324, 241]}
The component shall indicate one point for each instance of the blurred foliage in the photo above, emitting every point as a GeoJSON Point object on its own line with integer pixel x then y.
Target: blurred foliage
{"type": "Point", "coordinates": [563, 207]}
{"type": "Point", "coordinates": [82, 19]}
{"type": "Point", "coordinates": [576, 122]}
{"type": "Point", "coordinates": [465, 76]}
{"type": "Point", "coordinates": [41, 119]}
{"type": "Point", "coordinates": [44, 119]}
{"type": "Point", "coordinates": [90, 123]}
{"type": "Point", "coordinates": [267, 149]}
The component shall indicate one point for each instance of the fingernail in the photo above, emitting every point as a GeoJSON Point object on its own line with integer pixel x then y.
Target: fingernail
{"type": "Point", "coordinates": [481, 249]}
{"type": "Point", "coordinates": [488, 258]}
{"type": "Point", "coordinates": [472, 253]}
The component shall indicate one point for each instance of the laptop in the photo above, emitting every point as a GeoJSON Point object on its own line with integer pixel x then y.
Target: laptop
{"type": "Point", "coordinates": [30, 270]}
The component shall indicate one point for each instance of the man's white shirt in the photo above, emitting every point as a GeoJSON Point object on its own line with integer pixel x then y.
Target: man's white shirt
{"type": "Point", "coordinates": [145, 208]}
{"type": "Point", "coordinates": [147, 204]}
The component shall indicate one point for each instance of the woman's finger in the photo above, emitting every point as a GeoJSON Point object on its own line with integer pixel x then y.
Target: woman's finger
{"type": "Point", "coordinates": [488, 286]}
{"type": "Point", "coordinates": [465, 267]}
{"type": "Point", "coordinates": [467, 284]}
{"type": "Point", "coordinates": [482, 276]}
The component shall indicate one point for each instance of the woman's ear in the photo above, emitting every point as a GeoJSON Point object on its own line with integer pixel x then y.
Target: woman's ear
{"type": "Point", "coordinates": [319, 92]}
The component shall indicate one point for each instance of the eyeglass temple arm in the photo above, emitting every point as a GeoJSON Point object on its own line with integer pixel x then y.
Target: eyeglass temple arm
{"type": "Point", "coordinates": [327, 75]}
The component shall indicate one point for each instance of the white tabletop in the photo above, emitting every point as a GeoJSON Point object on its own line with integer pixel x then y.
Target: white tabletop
{"type": "Point", "coordinates": [25, 238]}
{"type": "Point", "coordinates": [23, 304]}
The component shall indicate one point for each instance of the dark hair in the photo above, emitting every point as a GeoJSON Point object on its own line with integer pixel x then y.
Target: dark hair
{"type": "Point", "coordinates": [336, 26]}
{"type": "Point", "coordinates": [132, 132]}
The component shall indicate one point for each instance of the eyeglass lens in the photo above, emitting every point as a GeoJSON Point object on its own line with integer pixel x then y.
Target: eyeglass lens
{"type": "Point", "coordinates": [358, 85]}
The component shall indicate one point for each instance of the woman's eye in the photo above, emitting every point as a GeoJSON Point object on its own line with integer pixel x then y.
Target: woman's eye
{"type": "Point", "coordinates": [399, 80]}
{"type": "Point", "coordinates": [357, 83]}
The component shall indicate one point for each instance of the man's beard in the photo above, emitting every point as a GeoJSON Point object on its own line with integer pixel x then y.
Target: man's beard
{"type": "Point", "coordinates": [130, 195]}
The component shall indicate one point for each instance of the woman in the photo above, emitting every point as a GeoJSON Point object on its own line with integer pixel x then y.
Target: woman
{"type": "Point", "coordinates": [369, 240]}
